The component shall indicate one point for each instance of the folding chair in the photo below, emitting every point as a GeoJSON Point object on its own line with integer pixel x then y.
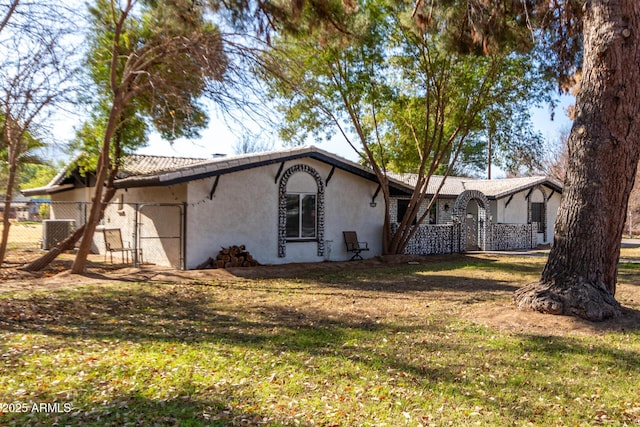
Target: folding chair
{"type": "Point", "coordinates": [113, 243]}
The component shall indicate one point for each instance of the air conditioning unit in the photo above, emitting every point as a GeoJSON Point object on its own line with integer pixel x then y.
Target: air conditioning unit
{"type": "Point", "coordinates": [55, 231]}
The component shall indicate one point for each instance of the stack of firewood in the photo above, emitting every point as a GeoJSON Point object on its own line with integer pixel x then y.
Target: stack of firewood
{"type": "Point", "coordinates": [233, 256]}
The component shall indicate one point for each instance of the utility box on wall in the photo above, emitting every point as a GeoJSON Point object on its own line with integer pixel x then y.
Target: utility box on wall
{"type": "Point", "coordinates": [55, 231]}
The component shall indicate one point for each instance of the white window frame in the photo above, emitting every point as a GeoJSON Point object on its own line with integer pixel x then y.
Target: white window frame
{"type": "Point", "coordinates": [299, 236]}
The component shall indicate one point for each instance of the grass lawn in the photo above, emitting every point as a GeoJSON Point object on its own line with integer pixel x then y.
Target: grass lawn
{"type": "Point", "coordinates": [389, 345]}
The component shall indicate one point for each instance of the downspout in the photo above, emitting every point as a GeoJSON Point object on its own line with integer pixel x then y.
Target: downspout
{"type": "Point", "coordinates": [136, 235]}
{"type": "Point", "coordinates": [183, 236]}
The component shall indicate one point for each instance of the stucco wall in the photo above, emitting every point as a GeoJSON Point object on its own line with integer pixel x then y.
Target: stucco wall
{"type": "Point", "coordinates": [65, 206]}
{"type": "Point", "coordinates": [245, 210]}
{"type": "Point", "coordinates": [517, 210]}
{"type": "Point", "coordinates": [159, 222]}
{"type": "Point", "coordinates": [348, 208]}
{"type": "Point", "coordinates": [158, 227]}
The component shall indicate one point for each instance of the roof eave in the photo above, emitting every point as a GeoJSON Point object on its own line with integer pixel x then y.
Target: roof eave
{"type": "Point", "coordinates": [188, 174]}
{"type": "Point", "coordinates": [547, 182]}
{"type": "Point", "coordinates": [49, 189]}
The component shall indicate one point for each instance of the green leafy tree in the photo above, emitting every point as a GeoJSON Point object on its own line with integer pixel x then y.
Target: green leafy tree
{"type": "Point", "coordinates": [502, 135]}
{"type": "Point", "coordinates": [37, 174]}
{"type": "Point", "coordinates": [508, 139]}
{"type": "Point", "coordinates": [154, 60]}
{"type": "Point", "coordinates": [396, 92]}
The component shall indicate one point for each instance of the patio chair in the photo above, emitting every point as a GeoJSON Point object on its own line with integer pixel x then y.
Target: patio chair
{"type": "Point", "coordinates": [113, 243]}
{"type": "Point", "coordinates": [353, 245]}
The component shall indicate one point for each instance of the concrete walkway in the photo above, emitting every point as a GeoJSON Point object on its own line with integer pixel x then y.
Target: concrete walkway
{"type": "Point", "coordinates": [626, 243]}
{"type": "Point", "coordinates": [630, 243]}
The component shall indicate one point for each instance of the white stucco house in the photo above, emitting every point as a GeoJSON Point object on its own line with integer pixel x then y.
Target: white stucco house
{"type": "Point", "coordinates": [290, 205]}
{"type": "Point", "coordinates": [498, 214]}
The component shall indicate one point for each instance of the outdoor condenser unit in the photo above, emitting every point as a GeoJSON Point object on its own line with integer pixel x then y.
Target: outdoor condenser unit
{"type": "Point", "coordinates": [55, 231]}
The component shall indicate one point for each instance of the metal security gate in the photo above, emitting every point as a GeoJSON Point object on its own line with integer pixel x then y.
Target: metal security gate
{"type": "Point", "coordinates": [471, 225]}
{"type": "Point", "coordinates": [160, 234]}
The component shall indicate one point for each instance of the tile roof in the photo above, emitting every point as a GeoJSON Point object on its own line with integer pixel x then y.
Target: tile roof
{"type": "Point", "coordinates": [221, 165]}
{"type": "Point", "coordinates": [132, 165]}
{"type": "Point", "coordinates": [144, 170]}
{"type": "Point", "coordinates": [503, 187]}
{"type": "Point", "coordinates": [494, 188]}
{"type": "Point", "coordinates": [140, 170]}
{"type": "Point", "coordinates": [141, 164]}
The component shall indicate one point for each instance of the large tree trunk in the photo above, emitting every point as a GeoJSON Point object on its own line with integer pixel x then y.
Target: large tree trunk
{"type": "Point", "coordinates": [580, 276]}
{"type": "Point", "coordinates": [97, 202]}
{"type": "Point", "coordinates": [53, 253]}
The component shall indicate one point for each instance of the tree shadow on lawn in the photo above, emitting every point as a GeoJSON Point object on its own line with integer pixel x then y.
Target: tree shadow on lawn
{"type": "Point", "coordinates": [428, 288]}
{"type": "Point", "coordinates": [291, 334]}
{"type": "Point", "coordinates": [413, 282]}
{"type": "Point", "coordinates": [553, 374]}
{"type": "Point", "coordinates": [188, 318]}
{"type": "Point", "coordinates": [119, 317]}
{"type": "Point", "coordinates": [368, 266]}
{"type": "Point", "coordinates": [124, 315]}
{"type": "Point", "coordinates": [169, 317]}
{"type": "Point", "coordinates": [395, 274]}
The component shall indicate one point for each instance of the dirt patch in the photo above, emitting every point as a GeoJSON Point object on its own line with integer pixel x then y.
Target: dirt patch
{"type": "Point", "coordinates": [506, 317]}
{"type": "Point", "coordinates": [489, 307]}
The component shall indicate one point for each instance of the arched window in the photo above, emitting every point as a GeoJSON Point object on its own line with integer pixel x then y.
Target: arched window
{"type": "Point", "coordinates": [301, 208]}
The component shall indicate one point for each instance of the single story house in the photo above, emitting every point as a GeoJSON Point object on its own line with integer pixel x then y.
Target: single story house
{"type": "Point", "coordinates": [498, 214]}
{"type": "Point", "coordinates": [286, 206]}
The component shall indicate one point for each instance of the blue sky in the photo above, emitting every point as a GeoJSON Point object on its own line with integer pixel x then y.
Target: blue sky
{"type": "Point", "coordinates": [219, 139]}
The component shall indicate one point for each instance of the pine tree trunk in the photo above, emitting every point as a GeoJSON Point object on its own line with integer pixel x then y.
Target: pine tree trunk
{"type": "Point", "coordinates": [97, 202]}
{"type": "Point", "coordinates": [53, 253]}
{"type": "Point", "coordinates": [580, 276]}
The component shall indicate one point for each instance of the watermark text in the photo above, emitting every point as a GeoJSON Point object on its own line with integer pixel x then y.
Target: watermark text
{"type": "Point", "coordinates": [44, 407]}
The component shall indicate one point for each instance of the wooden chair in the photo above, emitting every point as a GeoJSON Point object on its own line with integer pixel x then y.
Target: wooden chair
{"type": "Point", "coordinates": [353, 245]}
{"type": "Point", "coordinates": [113, 243]}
